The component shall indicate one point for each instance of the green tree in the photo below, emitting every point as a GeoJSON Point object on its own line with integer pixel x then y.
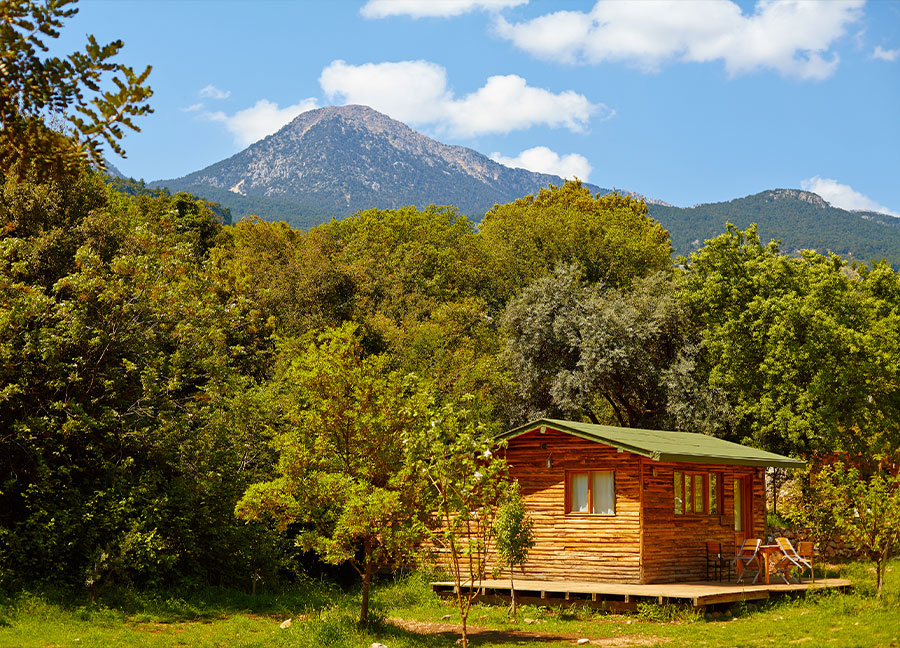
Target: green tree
{"type": "Point", "coordinates": [123, 355]}
{"type": "Point", "coordinates": [515, 535]}
{"type": "Point", "coordinates": [863, 506]}
{"type": "Point", "coordinates": [612, 238]}
{"type": "Point", "coordinates": [36, 89]}
{"type": "Point", "coordinates": [466, 483]}
{"type": "Point", "coordinates": [805, 348]}
{"type": "Point", "coordinates": [423, 292]}
{"type": "Point", "coordinates": [293, 277]}
{"type": "Point", "coordinates": [345, 476]}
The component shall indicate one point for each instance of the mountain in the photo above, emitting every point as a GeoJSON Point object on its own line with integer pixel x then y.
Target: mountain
{"type": "Point", "coordinates": [112, 171]}
{"type": "Point", "coordinates": [799, 219]}
{"type": "Point", "coordinates": [334, 161]}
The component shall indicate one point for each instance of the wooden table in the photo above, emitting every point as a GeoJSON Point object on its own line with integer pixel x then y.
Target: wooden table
{"type": "Point", "coordinates": [767, 552]}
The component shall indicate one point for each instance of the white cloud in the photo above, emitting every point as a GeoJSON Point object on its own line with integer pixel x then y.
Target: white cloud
{"type": "Point", "coordinates": [886, 55]}
{"type": "Point", "coordinates": [543, 160]}
{"type": "Point", "coordinates": [843, 196]}
{"type": "Point", "coordinates": [791, 36]}
{"type": "Point", "coordinates": [411, 91]}
{"type": "Point", "coordinates": [432, 8]}
{"type": "Point", "coordinates": [192, 108]}
{"type": "Point", "coordinates": [417, 92]}
{"type": "Point", "coordinates": [262, 119]}
{"type": "Point", "coordinates": [212, 92]}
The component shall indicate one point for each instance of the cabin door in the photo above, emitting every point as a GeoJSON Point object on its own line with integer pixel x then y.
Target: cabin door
{"type": "Point", "coordinates": [743, 509]}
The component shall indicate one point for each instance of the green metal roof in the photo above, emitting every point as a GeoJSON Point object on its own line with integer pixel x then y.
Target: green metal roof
{"type": "Point", "coordinates": [663, 445]}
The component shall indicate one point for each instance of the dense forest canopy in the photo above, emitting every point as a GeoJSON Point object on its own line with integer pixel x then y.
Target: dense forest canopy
{"type": "Point", "coordinates": [144, 346]}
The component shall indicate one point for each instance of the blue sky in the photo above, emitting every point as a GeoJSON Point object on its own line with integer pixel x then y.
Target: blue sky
{"type": "Point", "coordinates": [683, 101]}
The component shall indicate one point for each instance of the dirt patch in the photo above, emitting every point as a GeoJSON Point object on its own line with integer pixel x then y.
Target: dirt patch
{"type": "Point", "coordinates": [481, 633]}
{"type": "Point", "coordinates": [158, 627]}
{"type": "Point", "coordinates": [155, 627]}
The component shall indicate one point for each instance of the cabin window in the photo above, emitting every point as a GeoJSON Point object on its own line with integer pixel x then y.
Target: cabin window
{"type": "Point", "coordinates": [592, 492]}
{"type": "Point", "coordinates": [697, 493]}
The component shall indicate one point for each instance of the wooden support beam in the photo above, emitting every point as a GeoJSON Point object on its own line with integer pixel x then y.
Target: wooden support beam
{"type": "Point", "coordinates": [731, 597]}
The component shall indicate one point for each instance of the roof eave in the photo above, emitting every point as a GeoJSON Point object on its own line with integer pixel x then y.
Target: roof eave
{"type": "Point", "coordinates": [759, 462]}
{"type": "Point", "coordinates": [537, 425]}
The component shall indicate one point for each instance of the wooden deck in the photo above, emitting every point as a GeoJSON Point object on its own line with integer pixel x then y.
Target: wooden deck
{"type": "Point", "coordinates": [622, 597]}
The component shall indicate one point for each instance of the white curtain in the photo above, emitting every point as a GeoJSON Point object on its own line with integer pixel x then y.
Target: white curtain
{"type": "Point", "coordinates": [580, 493]}
{"type": "Point", "coordinates": [604, 493]}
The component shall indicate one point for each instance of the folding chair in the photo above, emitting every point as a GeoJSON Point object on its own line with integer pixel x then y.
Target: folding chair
{"type": "Point", "coordinates": [748, 555]}
{"type": "Point", "coordinates": [789, 561]}
{"type": "Point", "coordinates": [807, 551]}
{"type": "Point", "coordinates": [716, 561]}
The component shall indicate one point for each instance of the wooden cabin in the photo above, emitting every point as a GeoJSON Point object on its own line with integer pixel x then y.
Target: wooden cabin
{"type": "Point", "coordinates": [634, 506]}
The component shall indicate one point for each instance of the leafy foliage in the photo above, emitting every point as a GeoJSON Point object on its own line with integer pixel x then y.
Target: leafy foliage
{"type": "Point", "coordinates": [581, 350]}
{"type": "Point", "coordinates": [34, 87]}
{"type": "Point", "coordinates": [611, 238]}
{"type": "Point", "coordinates": [423, 291]}
{"type": "Point", "coordinates": [861, 503]}
{"type": "Point", "coordinates": [802, 346]}
{"type": "Point", "coordinates": [124, 359]}
{"type": "Point", "coordinates": [514, 531]}
{"type": "Point", "coordinates": [466, 483]}
{"type": "Point", "coordinates": [345, 473]}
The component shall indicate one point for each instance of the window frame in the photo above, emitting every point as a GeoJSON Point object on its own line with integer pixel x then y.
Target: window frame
{"type": "Point", "coordinates": [689, 496]}
{"type": "Point", "coordinates": [590, 480]}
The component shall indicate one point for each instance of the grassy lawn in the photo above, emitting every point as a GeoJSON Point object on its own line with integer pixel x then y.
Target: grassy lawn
{"type": "Point", "coordinates": [409, 615]}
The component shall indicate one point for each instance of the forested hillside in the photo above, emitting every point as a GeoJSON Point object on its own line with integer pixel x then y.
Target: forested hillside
{"type": "Point", "coordinates": [799, 219]}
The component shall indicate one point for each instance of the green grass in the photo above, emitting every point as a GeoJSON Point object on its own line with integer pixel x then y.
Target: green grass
{"type": "Point", "coordinates": [323, 615]}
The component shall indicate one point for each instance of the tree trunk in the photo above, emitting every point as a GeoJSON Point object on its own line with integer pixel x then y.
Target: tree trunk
{"type": "Point", "coordinates": [512, 591]}
{"type": "Point", "coordinates": [367, 582]}
{"type": "Point", "coordinates": [879, 574]}
{"type": "Point", "coordinates": [880, 564]}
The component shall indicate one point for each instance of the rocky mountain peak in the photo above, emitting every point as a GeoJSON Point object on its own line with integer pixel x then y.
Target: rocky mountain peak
{"type": "Point", "coordinates": [797, 194]}
{"type": "Point", "coordinates": [333, 161]}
